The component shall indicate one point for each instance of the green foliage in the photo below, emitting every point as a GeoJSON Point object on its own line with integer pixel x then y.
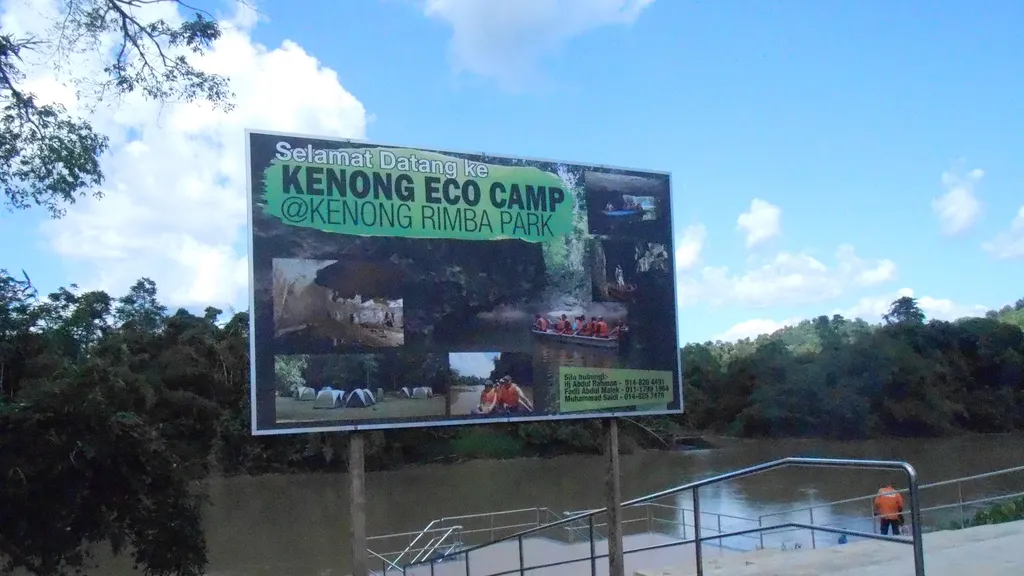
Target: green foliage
{"type": "Point", "coordinates": [49, 158]}
{"type": "Point", "coordinates": [845, 379]}
{"type": "Point", "coordinates": [486, 443]}
{"type": "Point", "coordinates": [111, 409]}
{"type": "Point", "coordinates": [1011, 511]}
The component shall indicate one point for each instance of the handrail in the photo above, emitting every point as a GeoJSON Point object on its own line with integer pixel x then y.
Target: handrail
{"type": "Point", "coordinates": [900, 490]}
{"type": "Point", "coordinates": [915, 512]}
{"type": "Point", "coordinates": [415, 540]}
{"type": "Point", "coordinates": [386, 561]}
{"type": "Point", "coordinates": [431, 546]}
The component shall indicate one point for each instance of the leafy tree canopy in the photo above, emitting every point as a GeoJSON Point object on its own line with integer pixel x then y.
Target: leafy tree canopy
{"type": "Point", "coordinates": [50, 157]}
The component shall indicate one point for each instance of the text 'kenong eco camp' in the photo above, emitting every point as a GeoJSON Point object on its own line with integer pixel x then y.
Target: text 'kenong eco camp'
{"type": "Point", "coordinates": [375, 187]}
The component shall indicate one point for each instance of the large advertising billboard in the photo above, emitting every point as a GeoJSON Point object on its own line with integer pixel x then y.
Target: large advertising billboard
{"type": "Point", "coordinates": [398, 287]}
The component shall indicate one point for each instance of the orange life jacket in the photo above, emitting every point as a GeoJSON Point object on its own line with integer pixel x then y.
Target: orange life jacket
{"type": "Point", "coordinates": [889, 503]}
{"type": "Point", "coordinates": [508, 396]}
{"type": "Point", "coordinates": [488, 397]}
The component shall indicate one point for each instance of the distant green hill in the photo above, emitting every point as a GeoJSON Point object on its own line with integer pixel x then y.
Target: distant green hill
{"type": "Point", "coordinates": [806, 336]}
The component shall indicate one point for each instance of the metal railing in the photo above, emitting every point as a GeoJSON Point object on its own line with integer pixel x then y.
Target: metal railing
{"type": "Point", "coordinates": [452, 533]}
{"type": "Point", "coordinates": [960, 506]}
{"type": "Point", "coordinates": [698, 538]}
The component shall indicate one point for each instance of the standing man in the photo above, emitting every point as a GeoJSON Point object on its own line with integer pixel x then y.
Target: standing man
{"type": "Point", "coordinates": [889, 507]}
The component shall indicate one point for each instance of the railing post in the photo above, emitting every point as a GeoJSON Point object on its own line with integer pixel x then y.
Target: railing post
{"type": "Point", "coordinates": [522, 567]}
{"type": "Point", "coordinates": [431, 567]}
{"type": "Point", "coordinates": [915, 517]}
{"type": "Point", "coordinates": [467, 563]}
{"type": "Point", "coordinates": [719, 531]}
{"type": "Point", "coordinates": [650, 524]}
{"type": "Point", "coordinates": [760, 533]}
{"type": "Point", "coordinates": [492, 527]}
{"type": "Point", "coordinates": [593, 549]}
{"type": "Point", "coordinates": [697, 552]}
{"type": "Point", "coordinates": [960, 499]}
{"type": "Point", "coordinates": [813, 543]}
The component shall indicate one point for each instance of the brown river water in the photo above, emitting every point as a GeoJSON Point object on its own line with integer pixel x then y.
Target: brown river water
{"type": "Point", "coordinates": [297, 525]}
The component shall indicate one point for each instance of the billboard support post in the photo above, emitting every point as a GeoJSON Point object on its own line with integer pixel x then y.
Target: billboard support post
{"type": "Point", "coordinates": [357, 496]}
{"type": "Point", "coordinates": [616, 562]}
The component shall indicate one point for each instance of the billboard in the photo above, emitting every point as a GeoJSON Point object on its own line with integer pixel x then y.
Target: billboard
{"type": "Point", "coordinates": [397, 287]}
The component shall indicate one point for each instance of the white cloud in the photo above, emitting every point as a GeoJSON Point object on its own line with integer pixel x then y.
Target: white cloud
{"type": "Point", "coordinates": [505, 40]}
{"type": "Point", "coordinates": [788, 278]}
{"type": "Point", "coordinates": [958, 209]}
{"type": "Point", "coordinates": [753, 328]}
{"type": "Point", "coordinates": [175, 207]}
{"type": "Point", "coordinates": [760, 223]}
{"type": "Point", "coordinates": [689, 247]}
{"type": "Point", "coordinates": [1009, 244]}
{"type": "Point", "coordinates": [872, 308]}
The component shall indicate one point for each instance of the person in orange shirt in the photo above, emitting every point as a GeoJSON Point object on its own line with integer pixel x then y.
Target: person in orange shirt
{"type": "Point", "coordinates": [488, 399]}
{"type": "Point", "coordinates": [511, 397]}
{"type": "Point", "coordinates": [541, 323]}
{"type": "Point", "coordinates": [889, 506]}
{"type": "Point", "coordinates": [601, 330]}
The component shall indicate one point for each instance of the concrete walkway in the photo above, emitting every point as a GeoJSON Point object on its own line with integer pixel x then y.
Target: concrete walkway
{"type": "Point", "coordinates": [996, 550]}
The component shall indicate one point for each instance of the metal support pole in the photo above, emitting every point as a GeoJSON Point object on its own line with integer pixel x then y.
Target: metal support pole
{"type": "Point", "coordinates": [467, 563]}
{"type": "Point", "coordinates": [431, 568]}
{"type": "Point", "coordinates": [522, 567]}
{"type": "Point", "coordinates": [357, 494]}
{"type": "Point", "coordinates": [593, 549]}
{"type": "Point", "coordinates": [760, 533]}
{"type": "Point", "coordinates": [698, 554]}
{"type": "Point", "coordinates": [915, 518]}
{"type": "Point", "coordinates": [719, 516]}
{"type": "Point", "coordinates": [813, 542]}
{"type": "Point", "coordinates": [616, 561]}
{"type": "Point", "coordinates": [960, 498]}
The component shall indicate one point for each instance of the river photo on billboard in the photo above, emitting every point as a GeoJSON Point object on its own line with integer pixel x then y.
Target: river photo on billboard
{"type": "Point", "coordinates": [404, 287]}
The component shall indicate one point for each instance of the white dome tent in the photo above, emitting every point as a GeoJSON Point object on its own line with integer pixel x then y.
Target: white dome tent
{"type": "Point", "coordinates": [329, 398]}
{"type": "Point", "coordinates": [305, 394]}
{"type": "Point", "coordinates": [359, 398]}
{"type": "Point", "coordinates": [422, 392]}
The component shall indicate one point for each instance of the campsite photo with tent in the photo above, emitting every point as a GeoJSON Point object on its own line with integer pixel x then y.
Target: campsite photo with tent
{"type": "Point", "coordinates": [324, 305]}
{"type": "Point", "coordinates": [358, 387]}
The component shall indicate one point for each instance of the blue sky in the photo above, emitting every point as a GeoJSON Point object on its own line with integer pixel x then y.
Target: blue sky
{"type": "Point", "coordinates": [479, 364]}
{"type": "Point", "coordinates": [826, 157]}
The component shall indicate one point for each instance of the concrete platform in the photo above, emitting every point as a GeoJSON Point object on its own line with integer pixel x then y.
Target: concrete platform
{"type": "Point", "coordinates": [996, 550]}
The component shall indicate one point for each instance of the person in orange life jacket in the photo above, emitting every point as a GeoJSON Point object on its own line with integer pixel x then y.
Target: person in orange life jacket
{"type": "Point", "coordinates": [566, 326]}
{"type": "Point", "coordinates": [541, 323]}
{"type": "Point", "coordinates": [488, 399]}
{"type": "Point", "coordinates": [888, 505]}
{"type": "Point", "coordinates": [511, 397]}
{"type": "Point", "coordinates": [601, 330]}
{"type": "Point", "coordinates": [586, 328]}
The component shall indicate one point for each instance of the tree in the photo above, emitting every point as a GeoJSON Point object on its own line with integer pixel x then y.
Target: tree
{"type": "Point", "coordinates": [50, 158]}
{"type": "Point", "coordinates": [99, 439]}
{"type": "Point", "coordinates": [904, 310]}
